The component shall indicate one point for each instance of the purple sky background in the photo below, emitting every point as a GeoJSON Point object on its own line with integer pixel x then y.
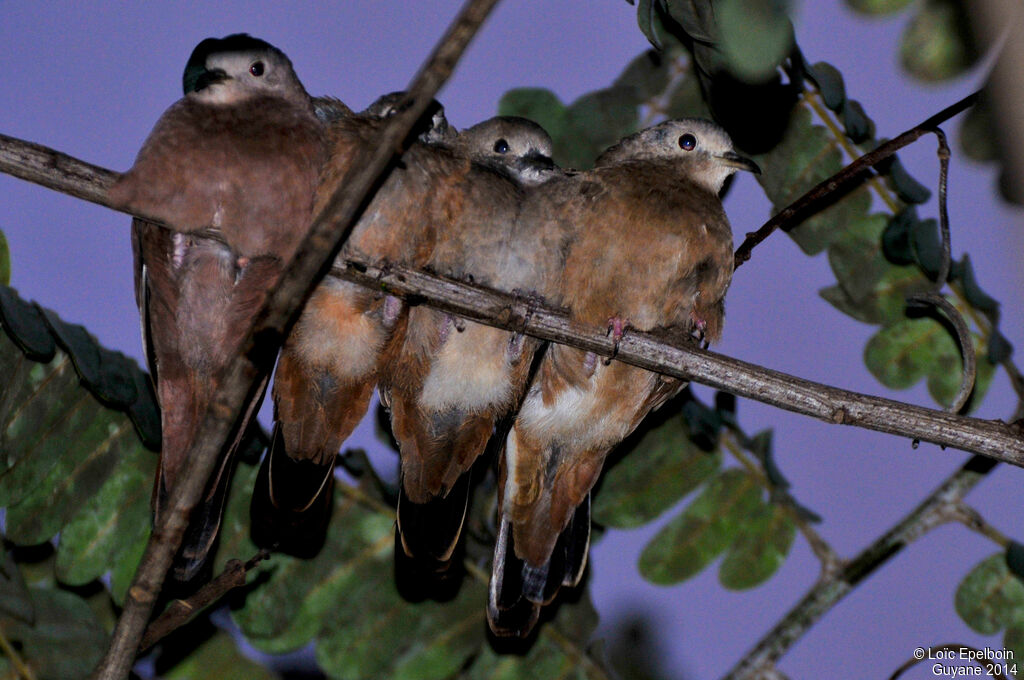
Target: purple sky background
{"type": "Point", "coordinates": [91, 78]}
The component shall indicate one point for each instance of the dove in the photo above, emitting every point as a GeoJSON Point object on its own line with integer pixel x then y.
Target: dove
{"type": "Point", "coordinates": [230, 171]}
{"type": "Point", "coordinates": [446, 382]}
{"type": "Point", "coordinates": [651, 251]}
{"type": "Point", "coordinates": [328, 366]}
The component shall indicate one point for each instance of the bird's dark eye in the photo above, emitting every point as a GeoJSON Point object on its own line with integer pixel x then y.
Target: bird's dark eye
{"type": "Point", "coordinates": [501, 146]}
{"type": "Point", "coordinates": [257, 68]}
{"type": "Point", "coordinates": [687, 142]}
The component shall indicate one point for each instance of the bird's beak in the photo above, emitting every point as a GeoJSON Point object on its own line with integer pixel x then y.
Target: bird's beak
{"type": "Point", "coordinates": [537, 160]}
{"type": "Point", "coordinates": [734, 160]}
{"type": "Point", "coordinates": [209, 77]}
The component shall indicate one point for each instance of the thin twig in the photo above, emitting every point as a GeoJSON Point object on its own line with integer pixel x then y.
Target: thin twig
{"type": "Point", "coordinates": [934, 297]}
{"type": "Point", "coordinates": [993, 670]}
{"type": "Point", "coordinates": [947, 256]}
{"type": "Point", "coordinates": [937, 508]}
{"type": "Point", "coordinates": [973, 520]}
{"type": "Point", "coordinates": [21, 668]}
{"type": "Point", "coordinates": [180, 612]}
{"type": "Point", "coordinates": [963, 335]}
{"type": "Point", "coordinates": [855, 171]}
{"type": "Point", "coordinates": [263, 339]}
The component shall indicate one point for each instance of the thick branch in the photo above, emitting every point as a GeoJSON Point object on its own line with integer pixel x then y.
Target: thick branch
{"type": "Point", "coordinates": [54, 170]}
{"type": "Point", "coordinates": [987, 437]}
{"type": "Point", "coordinates": [283, 303]}
{"type": "Point", "coordinates": [937, 508]}
{"type": "Point", "coordinates": [856, 171]}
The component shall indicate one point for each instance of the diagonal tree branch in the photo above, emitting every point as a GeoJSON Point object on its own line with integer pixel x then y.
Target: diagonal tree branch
{"type": "Point", "coordinates": [991, 438]}
{"type": "Point", "coordinates": [856, 171]}
{"type": "Point", "coordinates": [280, 308]}
{"type": "Point", "coordinates": [939, 507]}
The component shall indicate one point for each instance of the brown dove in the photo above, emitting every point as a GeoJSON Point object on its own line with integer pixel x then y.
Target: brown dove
{"type": "Point", "coordinates": [448, 382]}
{"type": "Point", "coordinates": [652, 251]}
{"type": "Point", "coordinates": [231, 169]}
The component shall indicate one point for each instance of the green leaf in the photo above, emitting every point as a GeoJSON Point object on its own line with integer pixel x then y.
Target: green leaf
{"type": "Point", "coordinates": [760, 549]}
{"type": "Point", "coordinates": [15, 599]}
{"type": "Point", "coordinates": [859, 128]}
{"type": "Point", "coordinates": [830, 84]}
{"type": "Point", "coordinates": [936, 44]}
{"type": "Point", "coordinates": [903, 353]}
{"type": "Point", "coordinates": [885, 303]}
{"type": "Point", "coordinates": [582, 130]}
{"type": "Point", "coordinates": [973, 292]}
{"type": "Point", "coordinates": [5, 261]}
{"type": "Point", "coordinates": [999, 348]}
{"type": "Point", "coordinates": [1013, 641]}
{"type": "Point", "coordinates": [697, 19]}
{"type": "Point", "coordinates": [23, 324]}
{"type": "Point", "coordinates": [877, 7]}
{"type": "Point", "coordinates": [125, 563]}
{"type": "Point", "coordinates": [990, 598]}
{"type": "Point", "coordinates": [539, 105]}
{"type": "Point", "coordinates": [1015, 559]}
{"type": "Point", "coordinates": [66, 639]}
{"type": "Point", "coordinates": [596, 121]}
{"type": "Point", "coordinates": [807, 155]}
{"type": "Point", "coordinates": [756, 36]}
{"type": "Point", "coordinates": [115, 517]}
{"type": "Point", "coordinates": [50, 397]}
{"type": "Point", "coordinates": [687, 100]}
{"type": "Point", "coordinates": [856, 257]}
{"type": "Point", "coordinates": [647, 75]}
{"type": "Point", "coordinates": [89, 444]}
{"type": "Point", "coordinates": [654, 473]}
{"type": "Point", "coordinates": [646, 19]}
{"type": "Point", "coordinates": [688, 543]}
{"type": "Point", "coordinates": [908, 189]}
{"type": "Point", "coordinates": [374, 633]}
{"type": "Point", "coordinates": [218, 657]}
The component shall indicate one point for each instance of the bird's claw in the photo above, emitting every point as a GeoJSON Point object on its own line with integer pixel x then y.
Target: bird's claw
{"type": "Point", "coordinates": [617, 328]}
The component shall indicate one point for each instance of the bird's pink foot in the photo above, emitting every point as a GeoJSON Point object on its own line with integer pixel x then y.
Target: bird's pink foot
{"type": "Point", "coordinates": [617, 328]}
{"type": "Point", "coordinates": [700, 326]}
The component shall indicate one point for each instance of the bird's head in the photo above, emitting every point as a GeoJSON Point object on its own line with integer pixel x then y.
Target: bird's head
{"type": "Point", "coordinates": [433, 127]}
{"type": "Point", "coordinates": [232, 69]}
{"type": "Point", "coordinates": [703, 149]}
{"type": "Point", "coordinates": [513, 145]}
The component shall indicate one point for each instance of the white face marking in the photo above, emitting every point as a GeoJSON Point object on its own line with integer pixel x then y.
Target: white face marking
{"type": "Point", "coordinates": [699, 143]}
{"type": "Point", "coordinates": [250, 73]}
{"type": "Point", "coordinates": [513, 145]}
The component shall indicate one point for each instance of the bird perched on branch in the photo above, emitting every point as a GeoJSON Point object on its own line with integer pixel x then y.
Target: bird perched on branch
{"type": "Point", "coordinates": [652, 251]}
{"type": "Point", "coordinates": [448, 382]}
{"type": "Point", "coordinates": [230, 170]}
{"type": "Point", "coordinates": [328, 365]}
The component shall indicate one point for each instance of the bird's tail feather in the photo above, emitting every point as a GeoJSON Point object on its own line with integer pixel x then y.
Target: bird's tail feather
{"type": "Point", "coordinates": [291, 501]}
{"type": "Point", "coordinates": [204, 523]}
{"type": "Point", "coordinates": [430, 531]}
{"type": "Point", "coordinates": [518, 589]}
